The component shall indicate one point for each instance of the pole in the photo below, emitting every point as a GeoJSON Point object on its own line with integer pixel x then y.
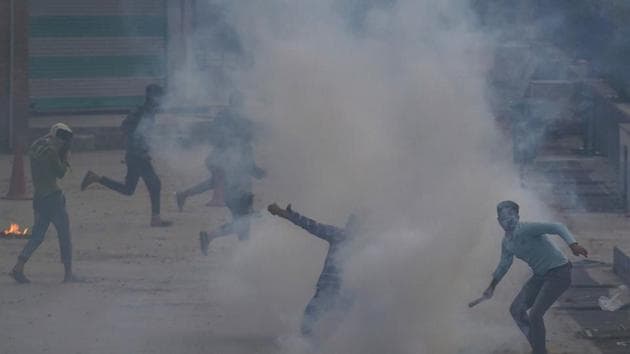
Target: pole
{"type": "Point", "coordinates": [625, 178]}
{"type": "Point", "coordinates": [11, 69]}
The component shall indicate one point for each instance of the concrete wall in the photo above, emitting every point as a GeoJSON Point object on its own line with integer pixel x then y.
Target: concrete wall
{"type": "Point", "coordinates": [608, 116]}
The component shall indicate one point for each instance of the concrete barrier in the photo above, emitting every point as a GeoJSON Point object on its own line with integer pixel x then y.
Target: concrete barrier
{"type": "Point", "coordinates": [621, 264]}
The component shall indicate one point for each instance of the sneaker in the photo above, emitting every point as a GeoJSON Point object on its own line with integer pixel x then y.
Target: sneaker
{"type": "Point", "coordinates": [72, 279]}
{"type": "Point", "coordinates": [89, 178]}
{"type": "Point", "coordinates": [19, 277]}
{"type": "Point", "coordinates": [156, 221]}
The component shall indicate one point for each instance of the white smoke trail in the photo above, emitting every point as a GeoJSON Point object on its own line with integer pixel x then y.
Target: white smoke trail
{"type": "Point", "coordinates": [389, 115]}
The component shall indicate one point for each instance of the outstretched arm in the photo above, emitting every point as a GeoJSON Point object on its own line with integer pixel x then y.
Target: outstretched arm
{"type": "Point", "coordinates": [538, 229]}
{"type": "Point", "coordinates": [504, 265]}
{"type": "Point", "coordinates": [323, 231]}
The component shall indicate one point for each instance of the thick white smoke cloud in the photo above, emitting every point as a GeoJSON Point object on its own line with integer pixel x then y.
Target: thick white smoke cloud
{"type": "Point", "coordinates": [389, 116]}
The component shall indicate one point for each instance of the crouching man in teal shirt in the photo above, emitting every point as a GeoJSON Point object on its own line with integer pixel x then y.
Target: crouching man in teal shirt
{"type": "Point", "coordinates": [552, 270]}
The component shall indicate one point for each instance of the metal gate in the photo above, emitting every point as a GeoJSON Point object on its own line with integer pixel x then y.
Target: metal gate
{"type": "Point", "coordinates": [95, 54]}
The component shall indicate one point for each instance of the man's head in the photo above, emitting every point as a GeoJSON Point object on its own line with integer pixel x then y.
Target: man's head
{"type": "Point", "coordinates": [507, 214]}
{"type": "Point", "coordinates": [61, 132]}
{"type": "Point", "coordinates": [154, 94]}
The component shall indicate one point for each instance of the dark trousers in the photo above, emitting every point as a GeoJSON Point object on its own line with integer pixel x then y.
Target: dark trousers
{"type": "Point", "coordinates": [137, 168]}
{"type": "Point", "coordinates": [537, 296]}
{"type": "Point", "coordinates": [240, 207]}
{"type": "Point", "coordinates": [324, 300]}
{"type": "Point", "coordinates": [50, 209]}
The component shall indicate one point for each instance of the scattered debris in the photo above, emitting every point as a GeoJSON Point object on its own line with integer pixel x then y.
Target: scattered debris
{"type": "Point", "coordinates": [616, 300]}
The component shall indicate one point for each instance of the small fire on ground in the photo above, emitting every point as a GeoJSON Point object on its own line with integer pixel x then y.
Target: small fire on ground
{"type": "Point", "coordinates": [15, 231]}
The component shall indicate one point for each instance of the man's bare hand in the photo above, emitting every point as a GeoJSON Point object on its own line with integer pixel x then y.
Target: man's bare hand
{"type": "Point", "coordinates": [274, 209]}
{"type": "Point", "coordinates": [488, 293]}
{"type": "Point", "coordinates": [578, 250]}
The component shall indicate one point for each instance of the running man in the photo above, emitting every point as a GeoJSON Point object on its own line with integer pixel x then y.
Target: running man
{"type": "Point", "coordinates": [238, 165]}
{"type": "Point", "coordinates": [230, 128]}
{"type": "Point", "coordinates": [138, 126]}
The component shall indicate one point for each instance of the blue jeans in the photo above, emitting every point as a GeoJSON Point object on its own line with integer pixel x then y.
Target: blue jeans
{"type": "Point", "coordinates": [537, 296]}
{"type": "Point", "coordinates": [50, 209]}
{"type": "Point", "coordinates": [326, 299]}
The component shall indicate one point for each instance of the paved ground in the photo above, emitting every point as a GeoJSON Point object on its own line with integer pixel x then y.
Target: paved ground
{"type": "Point", "coordinates": [600, 232]}
{"type": "Point", "coordinates": [150, 291]}
{"type": "Point", "coordinates": [146, 289]}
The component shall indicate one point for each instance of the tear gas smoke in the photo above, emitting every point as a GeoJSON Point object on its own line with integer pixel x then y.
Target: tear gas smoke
{"type": "Point", "coordinates": [381, 107]}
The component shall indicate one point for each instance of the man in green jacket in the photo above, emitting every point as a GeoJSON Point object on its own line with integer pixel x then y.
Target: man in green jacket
{"type": "Point", "coordinates": [49, 162]}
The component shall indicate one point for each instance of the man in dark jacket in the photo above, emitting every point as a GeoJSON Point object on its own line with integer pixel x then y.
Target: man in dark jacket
{"type": "Point", "coordinates": [328, 286]}
{"type": "Point", "coordinates": [49, 161]}
{"type": "Point", "coordinates": [232, 158]}
{"type": "Point", "coordinates": [229, 129]}
{"type": "Point", "coordinates": [236, 161]}
{"type": "Point", "coordinates": [138, 127]}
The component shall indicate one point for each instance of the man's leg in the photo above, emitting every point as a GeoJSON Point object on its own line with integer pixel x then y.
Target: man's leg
{"type": "Point", "coordinates": [154, 185]}
{"type": "Point", "coordinates": [131, 179]}
{"type": "Point", "coordinates": [523, 302]}
{"type": "Point", "coordinates": [312, 313]}
{"type": "Point", "coordinates": [218, 184]}
{"type": "Point", "coordinates": [323, 301]}
{"type": "Point", "coordinates": [241, 209]}
{"type": "Point", "coordinates": [556, 282]}
{"type": "Point", "coordinates": [205, 237]}
{"type": "Point", "coordinates": [40, 226]}
{"type": "Point", "coordinates": [202, 187]}
{"type": "Point", "coordinates": [61, 221]}
{"type": "Point", "coordinates": [241, 214]}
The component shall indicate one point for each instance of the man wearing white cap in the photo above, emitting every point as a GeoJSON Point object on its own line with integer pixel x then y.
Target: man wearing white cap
{"type": "Point", "coordinates": [49, 162]}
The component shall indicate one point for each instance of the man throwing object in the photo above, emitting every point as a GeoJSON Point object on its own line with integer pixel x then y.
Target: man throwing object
{"type": "Point", "coordinates": [552, 270]}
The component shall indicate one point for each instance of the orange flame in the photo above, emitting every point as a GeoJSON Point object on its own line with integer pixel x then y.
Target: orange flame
{"type": "Point", "coordinates": [14, 230]}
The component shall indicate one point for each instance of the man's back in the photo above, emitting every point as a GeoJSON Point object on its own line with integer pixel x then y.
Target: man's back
{"type": "Point", "coordinates": [531, 244]}
{"type": "Point", "coordinates": [138, 126]}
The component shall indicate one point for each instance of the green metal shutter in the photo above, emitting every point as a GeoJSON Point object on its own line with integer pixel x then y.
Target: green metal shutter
{"type": "Point", "coordinates": [95, 54]}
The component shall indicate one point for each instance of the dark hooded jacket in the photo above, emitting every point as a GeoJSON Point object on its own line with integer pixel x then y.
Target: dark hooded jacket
{"type": "Point", "coordinates": [138, 126]}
